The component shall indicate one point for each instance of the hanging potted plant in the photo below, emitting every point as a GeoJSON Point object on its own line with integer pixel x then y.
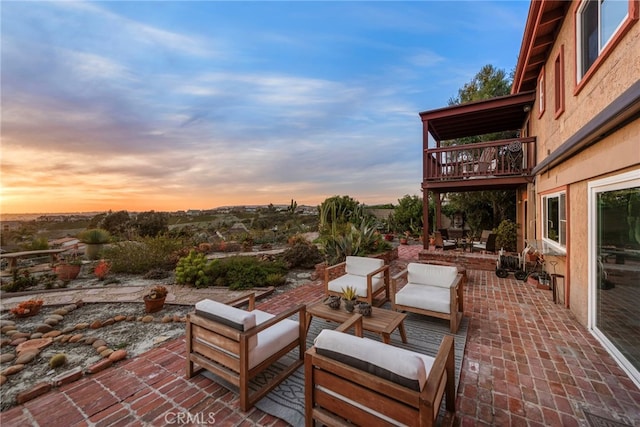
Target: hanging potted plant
{"type": "Point", "coordinates": [154, 300]}
{"type": "Point", "coordinates": [94, 240]}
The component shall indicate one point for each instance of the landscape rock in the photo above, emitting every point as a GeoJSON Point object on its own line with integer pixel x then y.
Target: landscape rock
{"type": "Point", "coordinates": [13, 369]}
{"type": "Point", "coordinates": [118, 355]}
{"type": "Point", "coordinates": [7, 328]}
{"type": "Point", "coordinates": [35, 335]}
{"type": "Point", "coordinates": [6, 322]}
{"type": "Point", "coordinates": [7, 357]}
{"type": "Point", "coordinates": [99, 343]}
{"type": "Point", "coordinates": [76, 338]}
{"type": "Point", "coordinates": [34, 344]}
{"type": "Point", "coordinates": [26, 357]}
{"type": "Point", "coordinates": [147, 319]}
{"type": "Point", "coordinates": [3, 379]}
{"type": "Point", "coordinates": [17, 341]}
{"type": "Point", "coordinates": [50, 321]}
{"type": "Point", "coordinates": [52, 334]}
{"type": "Point", "coordinates": [96, 324]}
{"type": "Point", "coordinates": [81, 326]}
{"type": "Point", "coordinates": [44, 328]}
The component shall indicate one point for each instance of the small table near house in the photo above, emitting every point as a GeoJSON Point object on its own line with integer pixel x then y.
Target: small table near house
{"type": "Point", "coordinates": [381, 321]}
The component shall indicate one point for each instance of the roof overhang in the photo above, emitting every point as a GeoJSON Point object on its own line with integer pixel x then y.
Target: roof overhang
{"type": "Point", "coordinates": [479, 118]}
{"type": "Point", "coordinates": [543, 23]}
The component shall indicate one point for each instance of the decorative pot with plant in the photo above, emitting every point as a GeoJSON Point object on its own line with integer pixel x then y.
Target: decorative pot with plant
{"type": "Point", "coordinates": [68, 269]}
{"type": "Point", "coordinates": [154, 300]}
{"type": "Point", "coordinates": [94, 239]}
{"type": "Point", "coordinates": [349, 295]}
{"type": "Point", "coordinates": [27, 308]}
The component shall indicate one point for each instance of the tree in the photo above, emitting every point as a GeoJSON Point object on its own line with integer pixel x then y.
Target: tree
{"type": "Point", "coordinates": [116, 223]}
{"type": "Point", "coordinates": [407, 215]}
{"type": "Point", "coordinates": [151, 224]}
{"type": "Point", "coordinates": [338, 210]}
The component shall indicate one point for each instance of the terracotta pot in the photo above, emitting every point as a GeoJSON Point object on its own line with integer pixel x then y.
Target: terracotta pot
{"type": "Point", "coordinates": [66, 272]}
{"type": "Point", "coordinates": [153, 305]}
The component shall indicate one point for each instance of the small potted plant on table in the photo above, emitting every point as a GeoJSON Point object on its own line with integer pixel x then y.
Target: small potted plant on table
{"type": "Point", "coordinates": [349, 295]}
{"type": "Point", "coordinates": [154, 300]}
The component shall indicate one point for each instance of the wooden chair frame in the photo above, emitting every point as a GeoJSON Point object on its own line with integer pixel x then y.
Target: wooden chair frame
{"type": "Point", "coordinates": [371, 296]}
{"type": "Point", "coordinates": [324, 376]}
{"type": "Point", "coordinates": [224, 351]}
{"type": "Point", "coordinates": [456, 295]}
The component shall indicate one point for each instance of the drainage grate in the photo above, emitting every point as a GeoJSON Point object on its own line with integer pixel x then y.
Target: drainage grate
{"type": "Point", "coordinates": [598, 421]}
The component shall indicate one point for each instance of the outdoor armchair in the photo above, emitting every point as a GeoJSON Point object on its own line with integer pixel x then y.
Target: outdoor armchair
{"type": "Point", "coordinates": [350, 380]}
{"type": "Point", "coordinates": [369, 276]}
{"type": "Point", "coordinates": [431, 290]}
{"type": "Point", "coordinates": [236, 345]}
{"type": "Point", "coordinates": [488, 246]}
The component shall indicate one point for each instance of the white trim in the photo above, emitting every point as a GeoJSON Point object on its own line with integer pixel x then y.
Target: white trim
{"type": "Point", "coordinates": [559, 246]}
{"type": "Point", "coordinates": [611, 183]}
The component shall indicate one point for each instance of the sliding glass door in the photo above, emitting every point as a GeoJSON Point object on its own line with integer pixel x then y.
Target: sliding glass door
{"type": "Point", "coordinates": [615, 267]}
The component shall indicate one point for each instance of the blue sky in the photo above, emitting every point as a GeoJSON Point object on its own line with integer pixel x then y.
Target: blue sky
{"type": "Point", "coordinates": [191, 105]}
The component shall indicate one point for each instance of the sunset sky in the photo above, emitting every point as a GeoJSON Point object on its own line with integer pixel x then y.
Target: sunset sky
{"type": "Point", "coordinates": [159, 105]}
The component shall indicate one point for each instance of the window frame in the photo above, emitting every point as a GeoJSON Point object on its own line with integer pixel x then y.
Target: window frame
{"type": "Point", "coordinates": [561, 243]}
{"type": "Point", "coordinates": [541, 94]}
{"type": "Point", "coordinates": [559, 84]}
{"type": "Point", "coordinates": [581, 79]}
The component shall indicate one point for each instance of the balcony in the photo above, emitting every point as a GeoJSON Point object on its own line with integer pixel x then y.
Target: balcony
{"type": "Point", "coordinates": [502, 164]}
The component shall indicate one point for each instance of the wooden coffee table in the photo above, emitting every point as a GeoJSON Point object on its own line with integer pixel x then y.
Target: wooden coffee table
{"type": "Point", "coordinates": [381, 321]}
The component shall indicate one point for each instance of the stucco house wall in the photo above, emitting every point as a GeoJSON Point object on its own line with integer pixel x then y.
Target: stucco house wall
{"type": "Point", "coordinates": [616, 153]}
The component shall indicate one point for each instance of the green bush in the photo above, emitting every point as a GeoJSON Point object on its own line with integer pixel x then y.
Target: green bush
{"type": "Point", "coordinates": [143, 255]}
{"type": "Point", "coordinates": [193, 270]}
{"type": "Point", "coordinates": [507, 236]}
{"type": "Point", "coordinates": [302, 254]}
{"type": "Point", "coordinates": [245, 272]}
{"type": "Point", "coordinates": [95, 236]}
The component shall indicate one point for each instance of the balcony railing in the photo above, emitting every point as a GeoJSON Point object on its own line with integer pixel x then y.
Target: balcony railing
{"type": "Point", "coordinates": [494, 159]}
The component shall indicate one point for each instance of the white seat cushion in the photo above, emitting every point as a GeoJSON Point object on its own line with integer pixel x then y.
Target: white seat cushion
{"type": "Point", "coordinates": [357, 282]}
{"type": "Point", "coordinates": [272, 339]}
{"type": "Point", "coordinates": [433, 298]}
{"type": "Point", "coordinates": [376, 358]}
{"type": "Point", "coordinates": [429, 274]}
{"type": "Point", "coordinates": [236, 318]}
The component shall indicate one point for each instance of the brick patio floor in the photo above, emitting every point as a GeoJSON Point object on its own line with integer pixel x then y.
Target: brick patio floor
{"type": "Point", "coordinates": [527, 363]}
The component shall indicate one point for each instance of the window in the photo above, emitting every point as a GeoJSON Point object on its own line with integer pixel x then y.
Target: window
{"type": "Point", "coordinates": [541, 93]}
{"type": "Point", "coordinates": [614, 242]}
{"type": "Point", "coordinates": [597, 22]}
{"type": "Point", "coordinates": [558, 70]}
{"type": "Point", "coordinates": [554, 216]}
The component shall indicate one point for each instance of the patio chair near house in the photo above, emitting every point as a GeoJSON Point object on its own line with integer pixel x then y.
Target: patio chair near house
{"type": "Point", "coordinates": [441, 243]}
{"type": "Point", "coordinates": [430, 290]}
{"type": "Point", "coordinates": [483, 237]}
{"type": "Point", "coordinates": [488, 246]}
{"type": "Point", "coordinates": [369, 276]}
{"type": "Point", "coordinates": [236, 345]}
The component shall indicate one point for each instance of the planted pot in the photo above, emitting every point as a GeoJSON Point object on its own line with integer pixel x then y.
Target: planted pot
{"type": "Point", "coordinates": [66, 272]}
{"type": "Point", "coordinates": [92, 250]}
{"type": "Point", "coordinates": [152, 305]}
{"type": "Point", "coordinates": [349, 305]}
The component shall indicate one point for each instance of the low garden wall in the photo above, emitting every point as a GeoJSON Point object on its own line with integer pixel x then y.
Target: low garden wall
{"type": "Point", "coordinates": [464, 259]}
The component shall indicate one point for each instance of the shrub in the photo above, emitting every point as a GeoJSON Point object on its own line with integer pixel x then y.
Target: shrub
{"type": "Point", "coordinates": [155, 274]}
{"type": "Point", "coordinates": [244, 272]}
{"type": "Point", "coordinates": [193, 270]}
{"type": "Point", "coordinates": [95, 236]}
{"type": "Point", "coordinates": [302, 254]}
{"type": "Point", "coordinates": [141, 256]}
{"type": "Point", "coordinates": [507, 236]}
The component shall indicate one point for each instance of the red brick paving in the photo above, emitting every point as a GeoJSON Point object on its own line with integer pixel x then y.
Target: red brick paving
{"type": "Point", "coordinates": [527, 362]}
